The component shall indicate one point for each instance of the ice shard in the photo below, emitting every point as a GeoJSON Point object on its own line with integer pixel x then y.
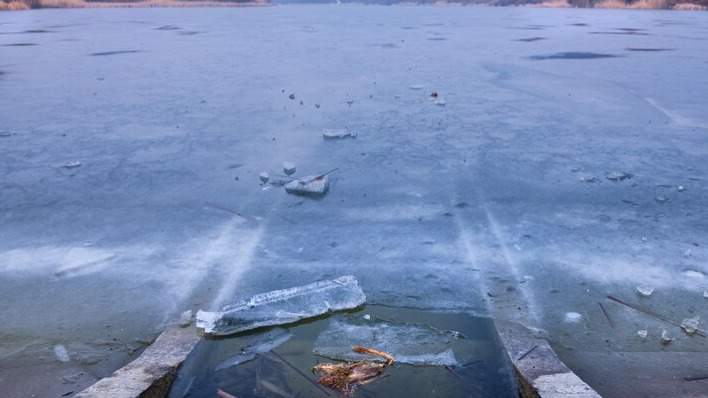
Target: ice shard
{"type": "Point", "coordinates": [309, 186]}
{"type": "Point", "coordinates": [408, 343]}
{"type": "Point", "coordinates": [283, 306]}
{"type": "Point", "coordinates": [266, 342]}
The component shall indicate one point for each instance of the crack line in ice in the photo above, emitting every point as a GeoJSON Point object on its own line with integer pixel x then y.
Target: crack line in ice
{"type": "Point", "coordinates": [675, 117]}
{"type": "Point", "coordinates": [510, 262]}
{"type": "Point", "coordinates": [471, 258]}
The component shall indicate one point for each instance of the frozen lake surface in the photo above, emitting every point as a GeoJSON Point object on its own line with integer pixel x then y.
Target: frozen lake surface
{"type": "Point", "coordinates": [131, 141]}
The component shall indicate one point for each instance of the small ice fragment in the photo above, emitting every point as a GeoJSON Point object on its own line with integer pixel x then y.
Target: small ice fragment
{"type": "Point", "coordinates": [665, 338]}
{"type": "Point", "coordinates": [283, 306]}
{"type": "Point", "coordinates": [705, 294]}
{"type": "Point", "coordinates": [588, 178]}
{"type": "Point", "coordinates": [572, 317]}
{"type": "Point", "coordinates": [642, 333]}
{"type": "Point", "coordinates": [333, 134]}
{"type": "Point", "coordinates": [661, 199]}
{"type": "Point", "coordinates": [61, 353]}
{"type": "Point", "coordinates": [644, 239]}
{"type": "Point", "coordinates": [408, 343]}
{"type": "Point", "coordinates": [264, 343]}
{"type": "Point", "coordinates": [645, 291]}
{"type": "Point", "coordinates": [308, 186]}
{"type": "Point", "coordinates": [690, 325]}
{"type": "Point", "coordinates": [264, 177]}
{"type": "Point", "coordinates": [693, 274]}
{"type": "Point", "coordinates": [289, 168]}
{"type": "Point", "coordinates": [416, 86]}
{"type": "Point", "coordinates": [185, 319]}
{"type": "Point", "coordinates": [680, 188]}
{"type": "Point", "coordinates": [367, 317]}
{"type": "Point", "coordinates": [72, 165]}
{"type": "Point", "coordinates": [617, 176]}
{"type": "Point", "coordinates": [440, 102]}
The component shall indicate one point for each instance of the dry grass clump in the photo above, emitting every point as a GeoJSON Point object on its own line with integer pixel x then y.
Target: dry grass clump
{"type": "Point", "coordinates": [13, 6]}
{"type": "Point", "coordinates": [640, 4]}
{"type": "Point", "coordinates": [689, 7]}
{"type": "Point", "coordinates": [553, 4]}
{"type": "Point", "coordinates": [27, 4]}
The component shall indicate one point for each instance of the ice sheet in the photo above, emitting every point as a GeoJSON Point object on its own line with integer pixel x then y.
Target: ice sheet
{"type": "Point", "coordinates": [283, 306]}
{"type": "Point", "coordinates": [408, 343]}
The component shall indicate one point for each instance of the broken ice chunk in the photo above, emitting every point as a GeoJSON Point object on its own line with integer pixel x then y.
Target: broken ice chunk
{"type": "Point", "coordinates": [572, 317]}
{"type": "Point", "coordinates": [264, 177]}
{"type": "Point", "coordinates": [266, 342]}
{"type": "Point", "coordinates": [665, 338]}
{"type": "Point", "coordinates": [416, 86]}
{"type": "Point", "coordinates": [333, 134]}
{"type": "Point", "coordinates": [645, 291]}
{"type": "Point", "coordinates": [289, 168]}
{"type": "Point", "coordinates": [440, 102]}
{"type": "Point", "coordinates": [408, 343]}
{"type": "Point", "coordinates": [617, 176]}
{"type": "Point", "coordinates": [185, 319]}
{"type": "Point", "coordinates": [72, 165]}
{"type": "Point", "coordinates": [680, 188]}
{"type": "Point", "coordinates": [283, 306]}
{"type": "Point", "coordinates": [61, 353]}
{"type": "Point", "coordinates": [308, 186]}
{"type": "Point", "coordinates": [661, 199]}
{"type": "Point", "coordinates": [642, 333]}
{"type": "Point", "coordinates": [690, 325]}
{"type": "Point", "coordinates": [705, 294]}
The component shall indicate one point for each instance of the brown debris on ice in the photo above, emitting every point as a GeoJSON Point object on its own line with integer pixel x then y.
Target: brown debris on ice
{"type": "Point", "coordinates": [345, 376]}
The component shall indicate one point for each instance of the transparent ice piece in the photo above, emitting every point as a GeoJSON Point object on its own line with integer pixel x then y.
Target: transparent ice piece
{"type": "Point", "coordinates": [266, 342]}
{"type": "Point", "coordinates": [333, 134]}
{"type": "Point", "coordinates": [408, 343]}
{"type": "Point", "coordinates": [645, 291]}
{"type": "Point", "coordinates": [310, 185]}
{"type": "Point", "coordinates": [283, 306]}
{"type": "Point", "coordinates": [690, 325]}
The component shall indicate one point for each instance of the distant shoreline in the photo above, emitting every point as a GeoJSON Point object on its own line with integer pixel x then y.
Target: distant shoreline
{"type": "Point", "coordinates": [20, 5]}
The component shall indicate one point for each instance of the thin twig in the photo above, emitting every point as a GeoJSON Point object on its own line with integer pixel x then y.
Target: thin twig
{"type": "Point", "coordinates": [314, 383]}
{"type": "Point", "coordinates": [223, 394]}
{"type": "Point", "coordinates": [602, 307]}
{"type": "Point", "coordinates": [525, 354]}
{"type": "Point", "coordinates": [696, 378]}
{"type": "Point", "coordinates": [653, 314]}
{"type": "Point", "coordinates": [449, 369]}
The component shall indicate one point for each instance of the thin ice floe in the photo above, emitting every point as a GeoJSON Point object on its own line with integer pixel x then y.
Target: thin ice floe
{"type": "Point", "coordinates": [266, 342]}
{"type": "Point", "coordinates": [408, 343]}
{"type": "Point", "coordinates": [283, 306]}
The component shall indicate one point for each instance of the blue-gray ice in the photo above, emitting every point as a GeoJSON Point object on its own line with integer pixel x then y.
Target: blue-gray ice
{"type": "Point", "coordinates": [130, 155]}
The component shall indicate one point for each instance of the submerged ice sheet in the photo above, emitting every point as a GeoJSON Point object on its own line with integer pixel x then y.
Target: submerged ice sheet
{"type": "Point", "coordinates": [267, 342]}
{"type": "Point", "coordinates": [408, 343]}
{"type": "Point", "coordinates": [283, 306]}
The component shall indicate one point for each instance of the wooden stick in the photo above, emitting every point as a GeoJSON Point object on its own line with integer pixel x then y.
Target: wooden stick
{"type": "Point", "coordinates": [653, 314]}
{"type": "Point", "coordinates": [602, 307]}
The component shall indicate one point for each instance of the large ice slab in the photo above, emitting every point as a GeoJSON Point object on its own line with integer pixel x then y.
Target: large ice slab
{"type": "Point", "coordinates": [408, 343]}
{"type": "Point", "coordinates": [283, 306]}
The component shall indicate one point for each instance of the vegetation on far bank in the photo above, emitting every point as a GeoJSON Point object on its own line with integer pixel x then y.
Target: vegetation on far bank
{"type": "Point", "coordinates": [687, 5]}
{"type": "Point", "coordinates": [33, 4]}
